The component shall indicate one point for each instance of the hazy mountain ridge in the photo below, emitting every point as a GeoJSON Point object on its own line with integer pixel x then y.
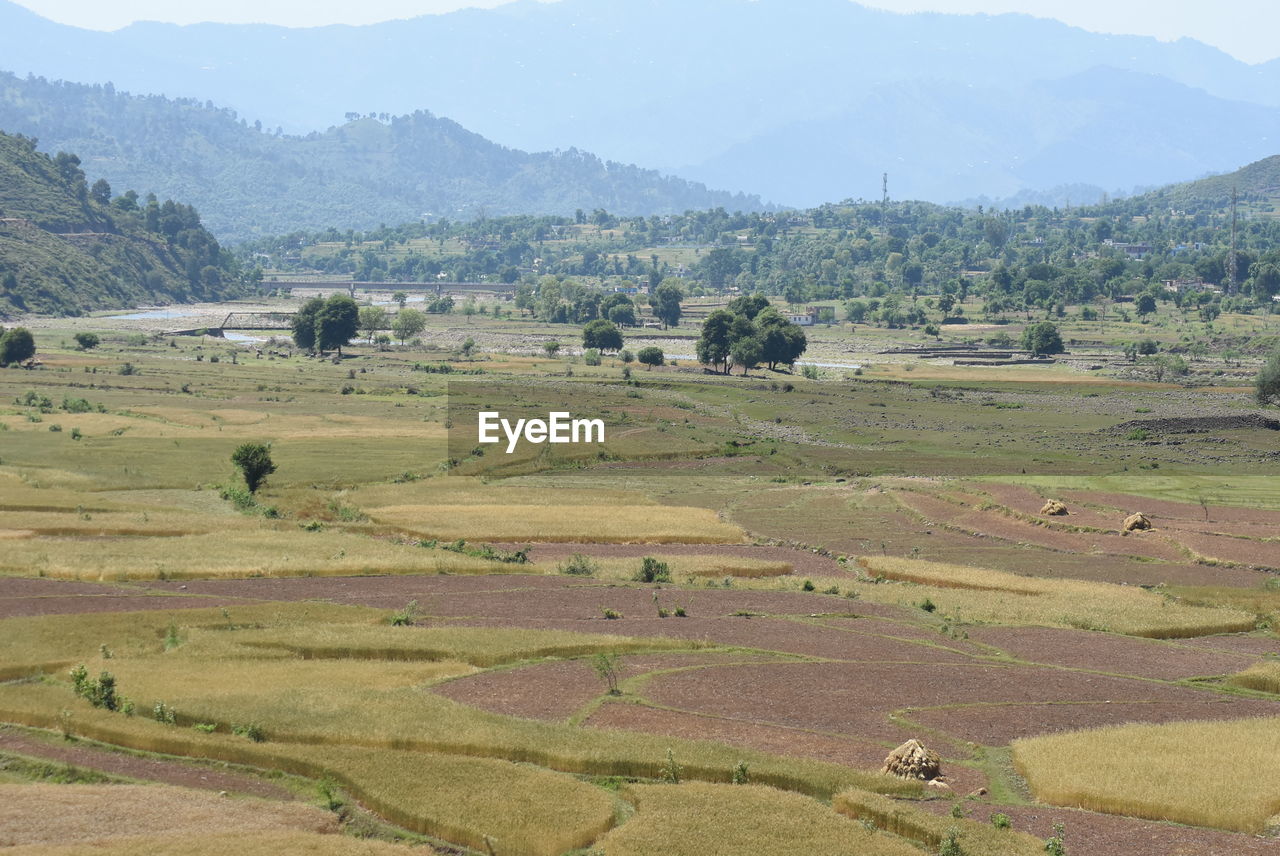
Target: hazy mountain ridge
{"type": "Point", "coordinates": [250, 182]}
{"type": "Point", "coordinates": [709, 88]}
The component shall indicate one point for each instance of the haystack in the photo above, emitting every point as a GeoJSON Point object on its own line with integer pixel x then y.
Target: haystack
{"type": "Point", "coordinates": [912, 760]}
{"type": "Point", "coordinates": [1136, 521]}
{"type": "Point", "coordinates": [1053, 507]}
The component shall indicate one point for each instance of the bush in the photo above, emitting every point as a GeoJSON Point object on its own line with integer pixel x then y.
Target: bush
{"type": "Point", "coordinates": [87, 341]}
{"type": "Point", "coordinates": [578, 565]}
{"type": "Point", "coordinates": [591, 357]}
{"type": "Point", "coordinates": [1000, 820]}
{"type": "Point", "coordinates": [653, 571]}
{"type": "Point", "coordinates": [405, 617]}
{"type": "Point", "coordinates": [250, 731]}
{"type": "Point", "coordinates": [626, 356]}
{"type": "Point", "coordinates": [1267, 384]}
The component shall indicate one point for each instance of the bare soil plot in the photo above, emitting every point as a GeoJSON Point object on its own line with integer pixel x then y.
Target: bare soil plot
{"type": "Point", "coordinates": [557, 690]}
{"type": "Point", "coordinates": [1104, 652]}
{"type": "Point", "coordinates": [997, 525]}
{"type": "Point", "coordinates": [1175, 510]}
{"type": "Point", "coordinates": [1252, 645]}
{"type": "Point", "coordinates": [1245, 551]}
{"type": "Point", "coordinates": [133, 767]}
{"type": "Point", "coordinates": [1108, 835]}
{"type": "Point", "coordinates": [857, 699]}
{"type": "Point", "coordinates": [779, 740]}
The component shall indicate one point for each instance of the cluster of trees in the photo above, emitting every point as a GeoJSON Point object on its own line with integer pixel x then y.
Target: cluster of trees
{"type": "Point", "coordinates": [326, 325]}
{"type": "Point", "coordinates": [559, 300]}
{"type": "Point", "coordinates": [1034, 261]}
{"type": "Point", "coordinates": [16, 346]}
{"type": "Point", "coordinates": [749, 332]}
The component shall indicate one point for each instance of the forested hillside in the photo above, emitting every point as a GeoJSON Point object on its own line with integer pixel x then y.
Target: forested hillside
{"type": "Point", "coordinates": [67, 247]}
{"type": "Point", "coordinates": [249, 181]}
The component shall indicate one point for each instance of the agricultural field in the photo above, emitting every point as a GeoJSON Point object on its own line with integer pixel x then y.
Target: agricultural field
{"type": "Point", "coordinates": [704, 634]}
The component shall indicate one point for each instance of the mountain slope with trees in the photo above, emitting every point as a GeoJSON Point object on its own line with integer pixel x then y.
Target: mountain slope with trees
{"type": "Point", "coordinates": [67, 247]}
{"type": "Point", "coordinates": [249, 182]}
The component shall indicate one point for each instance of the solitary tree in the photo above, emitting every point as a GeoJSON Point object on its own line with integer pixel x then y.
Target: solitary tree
{"type": "Point", "coordinates": [407, 324]}
{"type": "Point", "coordinates": [254, 462]}
{"type": "Point", "coordinates": [400, 298]}
{"type": "Point", "coordinates": [87, 341]}
{"type": "Point", "coordinates": [17, 345]}
{"type": "Point", "coordinates": [552, 348]}
{"type": "Point", "coordinates": [651, 356]}
{"type": "Point", "coordinates": [1042, 338]}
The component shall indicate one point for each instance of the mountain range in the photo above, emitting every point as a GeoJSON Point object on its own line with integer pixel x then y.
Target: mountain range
{"type": "Point", "coordinates": [248, 182]}
{"type": "Point", "coordinates": [799, 102]}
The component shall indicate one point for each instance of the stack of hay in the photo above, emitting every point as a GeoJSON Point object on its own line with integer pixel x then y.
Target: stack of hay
{"type": "Point", "coordinates": [912, 760]}
{"type": "Point", "coordinates": [1053, 507]}
{"type": "Point", "coordinates": [1136, 521]}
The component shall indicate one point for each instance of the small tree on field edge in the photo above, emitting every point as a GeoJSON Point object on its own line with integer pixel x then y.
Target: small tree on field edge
{"type": "Point", "coordinates": [254, 462]}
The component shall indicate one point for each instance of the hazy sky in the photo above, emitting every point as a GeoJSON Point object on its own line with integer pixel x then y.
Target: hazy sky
{"type": "Point", "coordinates": [1244, 28]}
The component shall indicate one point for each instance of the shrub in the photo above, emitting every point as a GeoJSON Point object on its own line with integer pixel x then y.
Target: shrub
{"type": "Point", "coordinates": [1267, 384]}
{"type": "Point", "coordinates": [653, 571]}
{"type": "Point", "coordinates": [578, 565]}
{"type": "Point", "coordinates": [606, 666]}
{"type": "Point", "coordinates": [808, 586]}
{"type": "Point", "coordinates": [87, 341]}
{"type": "Point", "coordinates": [250, 731]}
{"type": "Point", "coordinates": [741, 773]}
{"type": "Point", "coordinates": [1000, 820]}
{"type": "Point", "coordinates": [610, 613]}
{"type": "Point", "coordinates": [671, 772]}
{"type": "Point", "coordinates": [405, 617]}
{"type": "Point", "coordinates": [161, 712]}
{"type": "Point", "coordinates": [591, 357]}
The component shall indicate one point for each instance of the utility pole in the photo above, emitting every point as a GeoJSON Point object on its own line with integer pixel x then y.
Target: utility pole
{"type": "Point", "coordinates": [884, 184]}
{"type": "Point", "coordinates": [1231, 257]}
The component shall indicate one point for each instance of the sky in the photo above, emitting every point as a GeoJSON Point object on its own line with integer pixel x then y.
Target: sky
{"type": "Point", "coordinates": [1243, 28]}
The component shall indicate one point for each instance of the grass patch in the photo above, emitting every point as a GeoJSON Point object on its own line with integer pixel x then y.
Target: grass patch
{"type": "Point", "coordinates": [1264, 677]}
{"type": "Point", "coordinates": [1216, 774]}
{"type": "Point", "coordinates": [902, 818]}
{"type": "Point", "coordinates": [739, 820]}
{"type": "Point", "coordinates": [982, 595]}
